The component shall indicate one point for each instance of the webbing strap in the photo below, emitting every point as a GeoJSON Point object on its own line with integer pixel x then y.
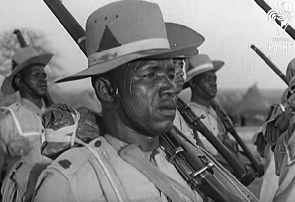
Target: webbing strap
{"type": "Point", "coordinates": [15, 119]}
{"type": "Point", "coordinates": [68, 134]}
{"type": "Point", "coordinates": [65, 134]}
{"type": "Point", "coordinates": [17, 124]}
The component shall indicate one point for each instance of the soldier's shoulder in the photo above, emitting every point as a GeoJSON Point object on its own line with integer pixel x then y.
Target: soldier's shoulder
{"type": "Point", "coordinates": [13, 106]}
{"type": "Point", "coordinates": [6, 110]}
{"type": "Point", "coordinates": [71, 161]}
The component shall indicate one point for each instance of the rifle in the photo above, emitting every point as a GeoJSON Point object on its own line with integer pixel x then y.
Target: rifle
{"type": "Point", "coordinates": [68, 22]}
{"type": "Point", "coordinates": [229, 126]}
{"type": "Point", "coordinates": [47, 99]}
{"type": "Point", "coordinates": [270, 64]}
{"type": "Point", "coordinates": [289, 29]}
{"type": "Point", "coordinates": [196, 170]}
{"type": "Point", "coordinates": [244, 175]}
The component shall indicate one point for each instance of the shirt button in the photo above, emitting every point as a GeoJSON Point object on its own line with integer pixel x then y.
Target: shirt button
{"type": "Point", "coordinates": [97, 143]}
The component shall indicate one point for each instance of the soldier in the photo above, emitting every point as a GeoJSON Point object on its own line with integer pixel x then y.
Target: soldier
{"type": "Point", "coordinates": [201, 78]}
{"type": "Point", "coordinates": [279, 135]}
{"type": "Point", "coordinates": [276, 124]}
{"type": "Point", "coordinates": [20, 123]}
{"type": "Point", "coordinates": [132, 74]}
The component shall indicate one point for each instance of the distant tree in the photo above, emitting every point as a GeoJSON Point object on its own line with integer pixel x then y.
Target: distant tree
{"type": "Point", "coordinates": [35, 38]}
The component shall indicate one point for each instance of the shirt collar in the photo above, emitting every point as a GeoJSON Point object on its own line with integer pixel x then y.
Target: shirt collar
{"type": "Point", "coordinates": [32, 107]}
{"type": "Point", "coordinates": [200, 106]}
{"type": "Point", "coordinates": [118, 144]}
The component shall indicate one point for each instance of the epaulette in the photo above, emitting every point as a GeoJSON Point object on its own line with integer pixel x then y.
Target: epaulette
{"type": "Point", "coordinates": [69, 162]}
{"type": "Point", "coordinates": [4, 110]}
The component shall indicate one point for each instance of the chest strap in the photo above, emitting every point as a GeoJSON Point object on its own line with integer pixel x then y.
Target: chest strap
{"type": "Point", "coordinates": [17, 124]}
{"type": "Point", "coordinates": [134, 156]}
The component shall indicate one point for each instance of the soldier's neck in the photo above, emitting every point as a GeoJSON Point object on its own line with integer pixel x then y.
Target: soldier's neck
{"type": "Point", "coordinates": [199, 100]}
{"type": "Point", "coordinates": [118, 129]}
{"type": "Point", "coordinates": [38, 101]}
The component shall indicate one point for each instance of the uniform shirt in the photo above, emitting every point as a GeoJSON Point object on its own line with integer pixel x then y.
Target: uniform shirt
{"type": "Point", "coordinates": [29, 117]}
{"type": "Point", "coordinates": [284, 154]}
{"type": "Point", "coordinates": [181, 124]}
{"type": "Point", "coordinates": [77, 175]}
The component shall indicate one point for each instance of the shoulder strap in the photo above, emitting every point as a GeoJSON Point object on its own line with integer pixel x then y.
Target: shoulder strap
{"type": "Point", "coordinates": [19, 129]}
{"type": "Point", "coordinates": [101, 164]}
{"type": "Point", "coordinates": [15, 119]}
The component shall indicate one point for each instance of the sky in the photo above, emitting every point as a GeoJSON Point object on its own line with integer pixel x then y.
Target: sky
{"type": "Point", "coordinates": [229, 28]}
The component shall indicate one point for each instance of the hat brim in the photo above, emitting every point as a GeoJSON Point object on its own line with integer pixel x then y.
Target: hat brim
{"type": "Point", "coordinates": [42, 59]}
{"type": "Point", "coordinates": [217, 64]}
{"type": "Point", "coordinates": [116, 62]}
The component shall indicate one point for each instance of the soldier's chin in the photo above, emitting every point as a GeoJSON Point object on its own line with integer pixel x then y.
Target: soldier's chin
{"type": "Point", "coordinates": [166, 127]}
{"type": "Point", "coordinates": [213, 95]}
{"type": "Point", "coordinates": [43, 92]}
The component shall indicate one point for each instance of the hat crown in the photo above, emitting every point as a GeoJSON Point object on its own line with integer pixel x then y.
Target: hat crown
{"type": "Point", "coordinates": [125, 22]}
{"type": "Point", "coordinates": [198, 61]}
{"type": "Point", "coordinates": [23, 54]}
{"type": "Point", "coordinates": [181, 36]}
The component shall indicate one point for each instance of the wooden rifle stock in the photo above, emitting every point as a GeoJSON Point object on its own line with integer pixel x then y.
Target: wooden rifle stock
{"type": "Point", "coordinates": [270, 64]}
{"type": "Point", "coordinates": [229, 126]}
{"type": "Point", "coordinates": [68, 22]}
{"type": "Point", "coordinates": [196, 124]}
{"type": "Point", "coordinates": [187, 162]}
{"type": "Point", "coordinates": [289, 29]}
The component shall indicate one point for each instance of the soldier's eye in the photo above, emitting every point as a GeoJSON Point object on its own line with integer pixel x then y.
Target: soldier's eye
{"type": "Point", "coordinates": [171, 77]}
{"type": "Point", "coordinates": [150, 75]}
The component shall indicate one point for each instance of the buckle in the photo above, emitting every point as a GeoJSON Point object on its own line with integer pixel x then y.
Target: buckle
{"type": "Point", "coordinates": [175, 152]}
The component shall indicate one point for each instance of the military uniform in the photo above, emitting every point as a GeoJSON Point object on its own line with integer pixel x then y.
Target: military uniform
{"type": "Point", "coordinates": [21, 119]}
{"type": "Point", "coordinates": [284, 153]}
{"type": "Point", "coordinates": [110, 170]}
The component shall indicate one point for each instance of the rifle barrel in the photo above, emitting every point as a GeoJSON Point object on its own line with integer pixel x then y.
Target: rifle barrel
{"type": "Point", "coordinates": [289, 29]}
{"type": "Point", "coordinates": [270, 64]}
{"type": "Point", "coordinates": [196, 124]}
{"type": "Point", "coordinates": [68, 21]}
{"type": "Point", "coordinates": [231, 129]}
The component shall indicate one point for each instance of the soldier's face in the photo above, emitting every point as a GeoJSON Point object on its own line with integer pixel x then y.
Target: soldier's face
{"type": "Point", "coordinates": [179, 80]}
{"type": "Point", "coordinates": [206, 86]}
{"type": "Point", "coordinates": [34, 80]}
{"type": "Point", "coordinates": [147, 95]}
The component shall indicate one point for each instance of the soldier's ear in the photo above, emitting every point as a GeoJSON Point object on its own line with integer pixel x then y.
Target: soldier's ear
{"type": "Point", "coordinates": [192, 83]}
{"type": "Point", "coordinates": [104, 89]}
{"type": "Point", "coordinates": [17, 82]}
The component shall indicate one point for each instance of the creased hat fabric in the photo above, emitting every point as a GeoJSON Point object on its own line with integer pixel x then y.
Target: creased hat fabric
{"type": "Point", "coordinates": [201, 63]}
{"type": "Point", "coordinates": [124, 31]}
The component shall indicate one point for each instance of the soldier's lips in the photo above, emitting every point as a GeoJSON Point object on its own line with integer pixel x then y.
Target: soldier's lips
{"type": "Point", "coordinates": [168, 109]}
{"type": "Point", "coordinates": [168, 112]}
{"type": "Point", "coordinates": [43, 87]}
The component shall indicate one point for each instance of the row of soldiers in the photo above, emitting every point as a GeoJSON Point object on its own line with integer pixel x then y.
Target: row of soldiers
{"type": "Point", "coordinates": [52, 152]}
